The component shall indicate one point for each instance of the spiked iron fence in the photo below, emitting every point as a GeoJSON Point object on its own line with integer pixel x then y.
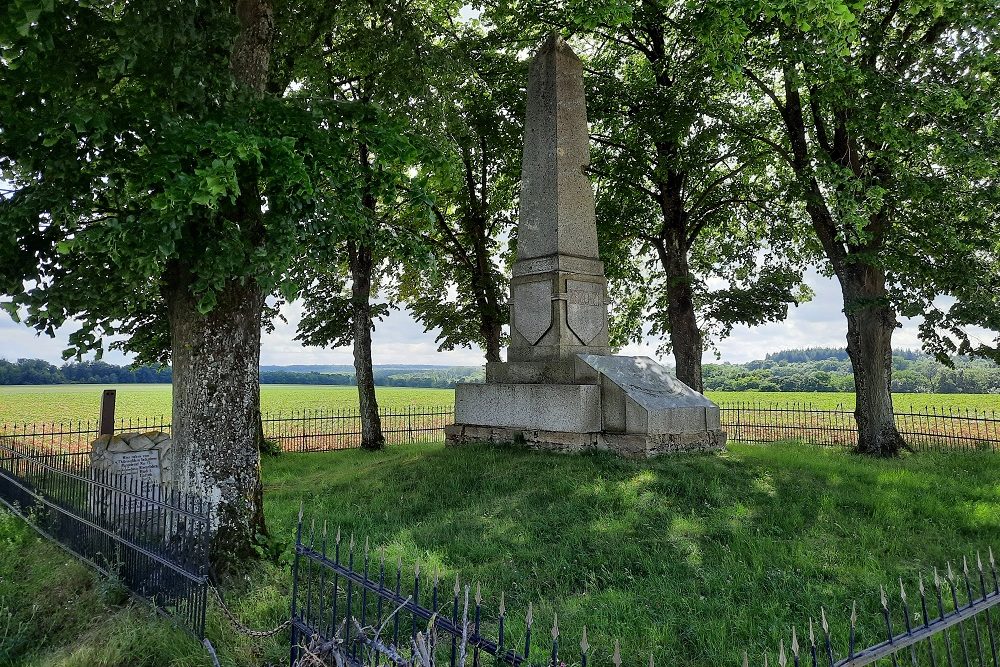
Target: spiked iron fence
{"type": "Point", "coordinates": [924, 429]}
{"type": "Point", "coordinates": [949, 625]}
{"type": "Point", "coordinates": [151, 538]}
{"type": "Point", "coordinates": [355, 609]}
{"type": "Point", "coordinates": [327, 430]}
{"type": "Point", "coordinates": [296, 431]}
{"type": "Point", "coordinates": [72, 436]}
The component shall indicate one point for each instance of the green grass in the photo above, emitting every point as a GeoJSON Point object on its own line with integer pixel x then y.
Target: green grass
{"type": "Point", "coordinates": [45, 403]}
{"type": "Point", "coordinates": [54, 611]}
{"type": "Point", "coordinates": [693, 558]}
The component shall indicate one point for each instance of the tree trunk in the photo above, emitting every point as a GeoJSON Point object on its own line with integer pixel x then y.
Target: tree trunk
{"type": "Point", "coordinates": [360, 258]}
{"type": "Point", "coordinates": [216, 409]}
{"type": "Point", "coordinates": [870, 323]}
{"type": "Point", "coordinates": [685, 336]}
{"type": "Point", "coordinates": [487, 297]}
{"type": "Point", "coordinates": [870, 318]}
{"type": "Point", "coordinates": [492, 332]}
{"type": "Point", "coordinates": [672, 246]}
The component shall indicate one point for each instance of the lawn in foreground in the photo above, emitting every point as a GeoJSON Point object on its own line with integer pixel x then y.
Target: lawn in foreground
{"type": "Point", "coordinates": [56, 612]}
{"type": "Point", "coordinates": [692, 558]}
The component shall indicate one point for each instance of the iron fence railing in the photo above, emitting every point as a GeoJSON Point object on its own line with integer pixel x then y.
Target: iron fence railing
{"type": "Point", "coordinates": [349, 608]}
{"type": "Point", "coordinates": [151, 538]}
{"type": "Point", "coordinates": [744, 421]}
{"type": "Point", "coordinates": [950, 624]}
{"type": "Point", "coordinates": [923, 429]}
{"type": "Point", "coordinates": [295, 431]}
{"type": "Point", "coordinates": [326, 430]}
{"type": "Point", "coordinates": [73, 436]}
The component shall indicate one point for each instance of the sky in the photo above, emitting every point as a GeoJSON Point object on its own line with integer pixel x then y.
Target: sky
{"type": "Point", "coordinates": [400, 340]}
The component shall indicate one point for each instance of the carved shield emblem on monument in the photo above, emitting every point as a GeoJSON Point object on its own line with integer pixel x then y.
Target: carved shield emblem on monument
{"type": "Point", "coordinates": [532, 309]}
{"type": "Point", "coordinates": [586, 312]}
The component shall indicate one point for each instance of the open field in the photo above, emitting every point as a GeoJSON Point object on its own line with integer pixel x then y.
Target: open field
{"type": "Point", "coordinates": [821, 400]}
{"type": "Point", "coordinates": [46, 403]}
{"type": "Point", "coordinates": [691, 557]}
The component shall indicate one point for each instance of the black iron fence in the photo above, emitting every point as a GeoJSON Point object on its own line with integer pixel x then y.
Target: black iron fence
{"type": "Point", "coordinates": [296, 431]}
{"type": "Point", "coordinates": [949, 624]}
{"type": "Point", "coordinates": [72, 436]}
{"type": "Point", "coordinates": [328, 430]}
{"type": "Point", "coordinates": [923, 429]}
{"type": "Point", "coordinates": [349, 607]}
{"type": "Point", "coordinates": [745, 421]}
{"type": "Point", "coordinates": [151, 538]}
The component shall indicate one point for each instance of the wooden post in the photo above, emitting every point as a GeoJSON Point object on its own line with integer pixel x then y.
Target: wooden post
{"type": "Point", "coordinates": [107, 424]}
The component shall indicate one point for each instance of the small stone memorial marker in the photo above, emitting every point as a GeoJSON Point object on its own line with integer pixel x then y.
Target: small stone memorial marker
{"type": "Point", "coordinates": [145, 456]}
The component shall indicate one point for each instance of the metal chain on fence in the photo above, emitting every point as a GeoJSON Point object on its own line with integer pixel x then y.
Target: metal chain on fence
{"type": "Point", "coordinates": [239, 626]}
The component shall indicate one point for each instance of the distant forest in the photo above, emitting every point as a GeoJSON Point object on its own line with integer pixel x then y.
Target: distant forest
{"type": "Point", "coordinates": [36, 371]}
{"type": "Point", "coordinates": [813, 369]}
{"type": "Point", "coordinates": [829, 369]}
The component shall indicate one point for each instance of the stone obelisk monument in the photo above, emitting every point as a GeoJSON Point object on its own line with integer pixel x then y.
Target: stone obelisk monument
{"type": "Point", "coordinates": [561, 388]}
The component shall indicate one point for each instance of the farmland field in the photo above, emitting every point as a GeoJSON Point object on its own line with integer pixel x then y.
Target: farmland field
{"type": "Point", "coordinates": [46, 403]}
{"type": "Point", "coordinates": [830, 400]}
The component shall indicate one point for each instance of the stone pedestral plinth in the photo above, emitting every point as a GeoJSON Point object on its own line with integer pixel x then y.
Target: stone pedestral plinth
{"type": "Point", "coordinates": [633, 407]}
{"type": "Point", "coordinates": [561, 389]}
{"type": "Point", "coordinates": [145, 458]}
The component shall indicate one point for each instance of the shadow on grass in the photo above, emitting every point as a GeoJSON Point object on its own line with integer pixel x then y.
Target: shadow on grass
{"type": "Point", "coordinates": [691, 557]}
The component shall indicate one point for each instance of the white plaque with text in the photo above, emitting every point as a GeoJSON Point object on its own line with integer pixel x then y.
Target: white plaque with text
{"type": "Point", "coordinates": [144, 465]}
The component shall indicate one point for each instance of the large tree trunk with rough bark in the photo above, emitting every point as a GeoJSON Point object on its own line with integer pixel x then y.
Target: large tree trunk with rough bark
{"type": "Point", "coordinates": [216, 409]}
{"type": "Point", "coordinates": [870, 324]}
{"type": "Point", "coordinates": [360, 259]}
{"type": "Point", "coordinates": [870, 318]}
{"type": "Point", "coordinates": [685, 336]}
{"type": "Point", "coordinates": [216, 356]}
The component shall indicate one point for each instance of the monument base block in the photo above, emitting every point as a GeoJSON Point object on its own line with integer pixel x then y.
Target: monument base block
{"type": "Point", "coordinates": [572, 408]}
{"type": "Point", "coordinates": [629, 405]}
{"type": "Point", "coordinates": [629, 445]}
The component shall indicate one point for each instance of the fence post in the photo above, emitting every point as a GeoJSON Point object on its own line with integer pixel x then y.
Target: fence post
{"type": "Point", "coordinates": [107, 425]}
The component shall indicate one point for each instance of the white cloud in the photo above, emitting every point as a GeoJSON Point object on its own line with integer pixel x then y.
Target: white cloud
{"type": "Point", "coordinates": [400, 340]}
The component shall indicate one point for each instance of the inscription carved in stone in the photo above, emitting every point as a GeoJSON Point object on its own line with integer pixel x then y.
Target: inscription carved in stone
{"type": "Point", "coordinates": [585, 309]}
{"type": "Point", "coordinates": [144, 465]}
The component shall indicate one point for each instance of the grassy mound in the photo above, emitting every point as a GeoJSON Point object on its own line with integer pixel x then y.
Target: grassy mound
{"type": "Point", "coordinates": [693, 558]}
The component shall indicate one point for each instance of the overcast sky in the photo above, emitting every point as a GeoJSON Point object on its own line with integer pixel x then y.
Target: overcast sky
{"type": "Point", "coordinates": [401, 340]}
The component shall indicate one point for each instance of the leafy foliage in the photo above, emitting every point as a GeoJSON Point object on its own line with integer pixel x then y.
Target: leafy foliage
{"type": "Point", "coordinates": [126, 139]}
{"type": "Point", "coordinates": [899, 146]}
{"type": "Point", "coordinates": [476, 125]}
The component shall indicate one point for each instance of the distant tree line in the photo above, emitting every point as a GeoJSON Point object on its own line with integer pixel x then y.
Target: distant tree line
{"type": "Point", "coordinates": [829, 369]}
{"type": "Point", "coordinates": [37, 371]}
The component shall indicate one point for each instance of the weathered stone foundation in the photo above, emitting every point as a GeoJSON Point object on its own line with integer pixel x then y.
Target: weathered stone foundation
{"type": "Point", "coordinates": [629, 445]}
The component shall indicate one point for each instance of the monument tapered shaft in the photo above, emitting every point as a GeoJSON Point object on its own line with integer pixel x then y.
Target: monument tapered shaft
{"type": "Point", "coordinates": [557, 202]}
{"type": "Point", "coordinates": [558, 291]}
